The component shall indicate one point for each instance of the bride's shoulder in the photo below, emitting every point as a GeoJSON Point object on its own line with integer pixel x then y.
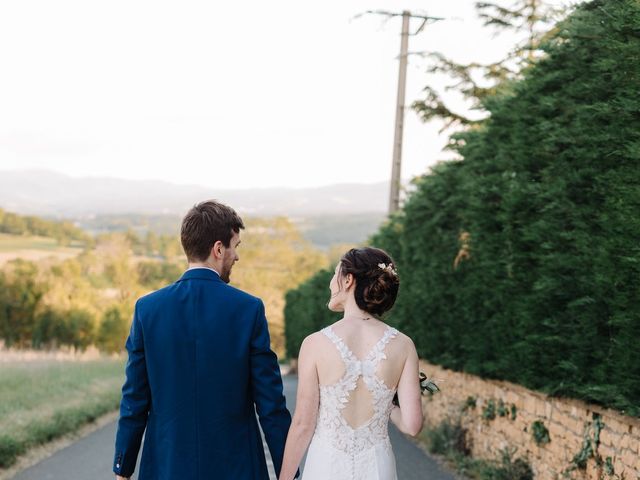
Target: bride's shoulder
{"type": "Point", "coordinates": [313, 338]}
{"type": "Point", "coordinates": [404, 340]}
{"type": "Point", "coordinates": [312, 342]}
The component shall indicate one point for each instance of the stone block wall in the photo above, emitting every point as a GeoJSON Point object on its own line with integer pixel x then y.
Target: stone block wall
{"type": "Point", "coordinates": [504, 416]}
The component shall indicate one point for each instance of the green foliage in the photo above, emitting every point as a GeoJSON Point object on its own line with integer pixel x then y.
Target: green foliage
{"type": "Point", "coordinates": [10, 449]}
{"type": "Point", "coordinates": [153, 232]}
{"type": "Point", "coordinates": [489, 410]}
{"type": "Point", "coordinates": [324, 231]}
{"type": "Point", "coordinates": [160, 247]}
{"type": "Point", "coordinates": [80, 329]}
{"type": "Point", "coordinates": [590, 443]}
{"type": "Point", "coordinates": [274, 259]}
{"type": "Point", "coordinates": [63, 232]}
{"type": "Point", "coordinates": [560, 221]}
{"type": "Point", "coordinates": [88, 299]}
{"type": "Point", "coordinates": [50, 329]}
{"type": "Point", "coordinates": [521, 261]}
{"type": "Point", "coordinates": [529, 19]}
{"type": "Point", "coordinates": [114, 329]}
{"type": "Point", "coordinates": [540, 433]}
{"type": "Point", "coordinates": [74, 328]}
{"type": "Point", "coordinates": [306, 310]}
{"type": "Point", "coordinates": [449, 439]}
{"type": "Point", "coordinates": [502, 409]}
{"type": "Point", "coordinates": [40, 401]}
{"type": "Point", "coordinates": [154, 275]}
{"type": "Point", "coordinates": [608, 467]}
{"type": "Point", "coordinates": [20, 295]}
{"type": "Point", "coordinates": [58, 303]}
{"type": "Point", "coordinates": [469, 404]}
{"type": "Point", "coordinates": [159, 224]}
{"type": "Point", "coordinates": [507, 468]}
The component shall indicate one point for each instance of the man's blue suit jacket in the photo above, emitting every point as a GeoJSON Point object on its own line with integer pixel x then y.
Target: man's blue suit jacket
{"type": "Point", "coordinates": [199, 359]}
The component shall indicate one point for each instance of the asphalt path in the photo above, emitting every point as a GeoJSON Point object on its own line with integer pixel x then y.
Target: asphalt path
{"type": "Point", "coordinates": [90, 458]}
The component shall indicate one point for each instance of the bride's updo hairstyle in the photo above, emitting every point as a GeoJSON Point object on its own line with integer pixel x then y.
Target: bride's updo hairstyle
{"type": "Point", "coordinates": [376, 278]}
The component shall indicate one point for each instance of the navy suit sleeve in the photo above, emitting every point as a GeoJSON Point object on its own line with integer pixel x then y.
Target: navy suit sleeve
{"type": "Point", "coordinates": [135, 403]}
{"type": "Point", "coordinates": [267, 390]}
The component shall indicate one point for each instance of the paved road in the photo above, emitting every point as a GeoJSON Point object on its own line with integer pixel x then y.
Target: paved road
{"type": "Point", "coordinates": [90, 458]}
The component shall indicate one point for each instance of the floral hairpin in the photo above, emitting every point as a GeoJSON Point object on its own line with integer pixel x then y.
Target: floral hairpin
{"type": "Point", "coordinates": [389, 268]}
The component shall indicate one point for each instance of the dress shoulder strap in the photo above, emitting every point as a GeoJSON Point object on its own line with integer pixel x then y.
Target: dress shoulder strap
{"type": "Point", "coordinates": [345, 353]}
{"type": "Point", "coordinates": [377, 353]}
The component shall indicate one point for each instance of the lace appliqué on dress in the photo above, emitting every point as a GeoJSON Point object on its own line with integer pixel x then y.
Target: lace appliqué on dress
{"type": "Point", "coordinates": [331, 424]}
{"type": "Point", "coordinates": [338, 451]}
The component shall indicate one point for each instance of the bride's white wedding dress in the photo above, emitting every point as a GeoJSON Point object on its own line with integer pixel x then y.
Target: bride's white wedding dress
{"type": "Point", "coordinates": [339, 451]}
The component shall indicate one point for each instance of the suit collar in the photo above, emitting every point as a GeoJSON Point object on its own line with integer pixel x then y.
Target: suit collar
{"type": "Point", "coordinates": [200, 274]}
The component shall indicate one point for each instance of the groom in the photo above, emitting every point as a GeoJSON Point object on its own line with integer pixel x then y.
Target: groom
{"type": "Point", "coordinates": [199, 361]}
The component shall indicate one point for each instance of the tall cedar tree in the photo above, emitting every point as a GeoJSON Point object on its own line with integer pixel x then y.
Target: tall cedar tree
{"type": "Point", "coordinates": [521, 261]}
{"type": "Point", "coordinates": [476, 81]}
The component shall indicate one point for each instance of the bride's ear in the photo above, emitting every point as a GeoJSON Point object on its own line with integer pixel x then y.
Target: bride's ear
{"type": "Point", "coordinates": [349, 281]}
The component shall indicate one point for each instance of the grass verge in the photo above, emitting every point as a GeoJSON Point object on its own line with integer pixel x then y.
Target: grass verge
{"type": "Point", "coordinates": [41, 401]}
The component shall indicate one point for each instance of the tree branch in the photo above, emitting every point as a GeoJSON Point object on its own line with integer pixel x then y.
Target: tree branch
{"type": "Point", "coordinates": [425, 18]}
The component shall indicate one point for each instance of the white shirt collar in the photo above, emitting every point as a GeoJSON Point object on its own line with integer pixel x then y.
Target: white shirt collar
{"type": "Point", "coordinates": [207, 268]}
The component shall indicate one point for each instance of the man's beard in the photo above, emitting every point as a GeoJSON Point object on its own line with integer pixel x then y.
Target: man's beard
{"type": "Point", "coordinates": [225, 274]}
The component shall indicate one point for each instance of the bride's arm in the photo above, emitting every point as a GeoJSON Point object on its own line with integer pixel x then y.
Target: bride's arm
{"type": "Point", "coordinates": [408, 416]}
{"type": "Point", "coordinates": [304, 418]}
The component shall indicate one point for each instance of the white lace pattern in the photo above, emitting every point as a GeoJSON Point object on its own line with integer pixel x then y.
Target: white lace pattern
{"type": "Point", "coordinates": [353, 453]}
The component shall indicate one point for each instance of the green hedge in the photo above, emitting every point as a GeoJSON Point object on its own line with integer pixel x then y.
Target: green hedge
{"type": "Point", "coordinates": [306, 310]}
{"type": "Point", "coordinates": [548, 191]}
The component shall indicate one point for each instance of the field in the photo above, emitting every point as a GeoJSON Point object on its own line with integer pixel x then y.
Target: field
{"type": "Point", "coordinates": [32, 248]}
{"type": "Point", "coordinates": [44, 398]}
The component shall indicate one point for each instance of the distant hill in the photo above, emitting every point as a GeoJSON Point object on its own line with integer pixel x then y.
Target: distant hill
{"type": "Point", "coordinates": [321, 230]}
{"type": "Point", "coordinates": [343, 213]}
{"type": "Point", "coordinates": [46, 193]}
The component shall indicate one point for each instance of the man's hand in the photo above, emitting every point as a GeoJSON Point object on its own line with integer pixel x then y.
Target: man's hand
{"type": "Point", "coordinates": [118, 477]}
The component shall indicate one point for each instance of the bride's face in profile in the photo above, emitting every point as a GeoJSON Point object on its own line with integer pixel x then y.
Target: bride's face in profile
{"type": "Point", "coordinates": [339, 287]}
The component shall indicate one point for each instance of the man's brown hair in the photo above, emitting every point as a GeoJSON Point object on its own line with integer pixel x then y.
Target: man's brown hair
{"type": "Point", "coordinates": [205, 224]}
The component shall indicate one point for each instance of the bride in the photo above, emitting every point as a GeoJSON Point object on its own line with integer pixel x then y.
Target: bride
{"type": "Point", "coordinates": [348, 374]}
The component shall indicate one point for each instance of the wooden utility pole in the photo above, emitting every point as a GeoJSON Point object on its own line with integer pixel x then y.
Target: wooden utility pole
{"type": "Point", "coordinates": [394, 195]}
{"type": "Point", "coordinates": [396, 174]}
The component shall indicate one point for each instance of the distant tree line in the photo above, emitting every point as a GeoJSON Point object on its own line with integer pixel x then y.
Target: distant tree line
{"type": "Point", "coordinates": [521, 261]}
{"type": "Point", "coordinates": [89, 299]}
{"type": "Point", "coordinates": [63, 232]}
{"type": "Point", "coordinates": [77, 302]}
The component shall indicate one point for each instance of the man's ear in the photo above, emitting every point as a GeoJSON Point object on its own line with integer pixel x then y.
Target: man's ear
{"type": "Point", "coordinates": [218, 250]}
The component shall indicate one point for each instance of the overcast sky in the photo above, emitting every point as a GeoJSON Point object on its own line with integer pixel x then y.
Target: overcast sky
{"type": "Point", "coordinates": [223, 94]}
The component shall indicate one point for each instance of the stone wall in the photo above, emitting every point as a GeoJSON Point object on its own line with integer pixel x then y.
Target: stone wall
{"type": "Point", "coordinates": [504, 416]}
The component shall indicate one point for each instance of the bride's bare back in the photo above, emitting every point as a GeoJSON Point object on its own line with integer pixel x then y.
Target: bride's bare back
{"type": "Point", "coordinates": [360, 339]}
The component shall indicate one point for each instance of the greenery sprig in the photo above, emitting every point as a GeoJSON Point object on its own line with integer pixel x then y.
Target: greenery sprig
{"type": "Point", "coordinates": [426, 386]}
